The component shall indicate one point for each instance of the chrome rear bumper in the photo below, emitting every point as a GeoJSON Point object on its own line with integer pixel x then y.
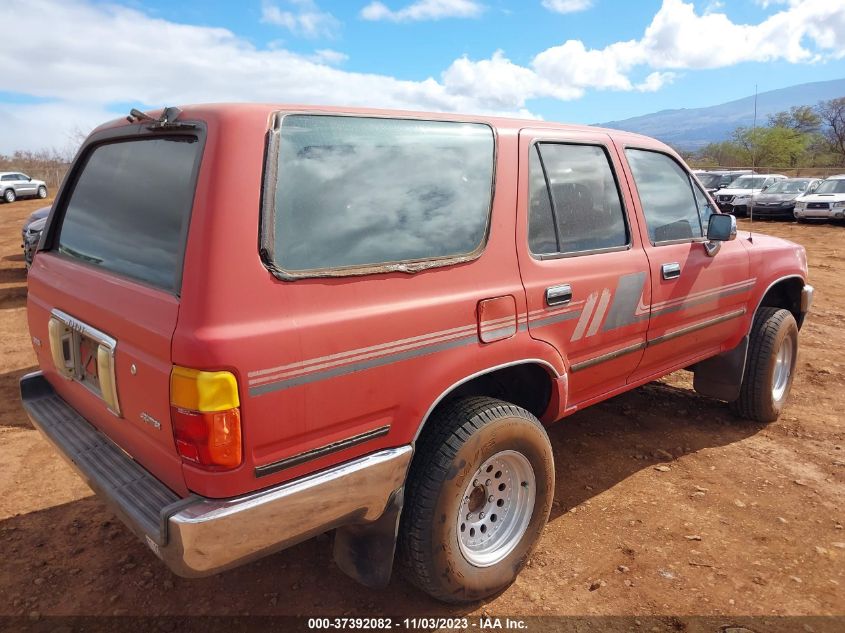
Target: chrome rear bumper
{"type": "Point", "coordinates": [196, 536]}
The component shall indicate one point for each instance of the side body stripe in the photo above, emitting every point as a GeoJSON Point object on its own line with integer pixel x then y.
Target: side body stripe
{"type": "Point", "coordinates": [621, 308]}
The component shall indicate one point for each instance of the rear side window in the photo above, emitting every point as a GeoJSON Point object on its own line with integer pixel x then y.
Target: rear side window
{"type": "Point", "coordinates": [129, 209]}
{"type": "Point", "coordinates": [667, 197]}
{"type": "Point", "coordinates": [356, 192]}
{"type": "Point", "coordinates": [574, 203]}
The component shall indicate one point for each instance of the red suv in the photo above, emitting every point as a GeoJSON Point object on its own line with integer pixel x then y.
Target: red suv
{"type": "Point", "coordinates": [257, 323]}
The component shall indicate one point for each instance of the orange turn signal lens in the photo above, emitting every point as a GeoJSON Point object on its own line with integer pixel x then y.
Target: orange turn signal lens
{"type": "Point", "coordinates": [206, 418]}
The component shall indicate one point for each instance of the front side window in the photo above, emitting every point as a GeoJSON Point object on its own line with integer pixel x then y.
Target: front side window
{"type": "Point", "coordinates": [574, 203]}
{"type": "Point", "coordinates": [355, 192]}
{"type": "Point", "coordinates": [667, 196]}
{"type": "Point", "coordinates": [705, 207]}
{"type": "Point", "coordinates": [129, 209]}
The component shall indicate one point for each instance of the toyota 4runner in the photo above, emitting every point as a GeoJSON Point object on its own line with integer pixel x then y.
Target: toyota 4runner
{"type": "Point", "coordinates": [258, 323]}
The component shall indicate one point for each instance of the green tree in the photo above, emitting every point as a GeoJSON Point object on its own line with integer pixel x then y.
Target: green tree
{"type": "Point", "coordinates": [773, 146]}
{"type": "Point", "coordinates": [803, 119]}
{"type": "Point", "coordinates": [832, 114]}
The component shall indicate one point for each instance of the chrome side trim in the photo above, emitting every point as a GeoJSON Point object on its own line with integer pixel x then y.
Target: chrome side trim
{"type": "Point", "coordinates": [314, 453]}
{"type": "Point", "coordinates": [212, 535]}
{"type": "Point", "coordinates": [668, 336]}
{"type": "Point", "coordinates": [584, 364]}
{"type": "Point", "coordinates": [451, 388]}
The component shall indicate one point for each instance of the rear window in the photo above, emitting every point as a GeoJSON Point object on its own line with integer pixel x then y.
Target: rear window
{"type": "Point", "coordinates": [354, 192]}
{"type": "Point", "coordinates": [129, 209]}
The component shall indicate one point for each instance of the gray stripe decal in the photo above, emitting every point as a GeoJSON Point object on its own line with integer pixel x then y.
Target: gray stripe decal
{"type": "Point", "coordinates": [695, 302]}
{"type": "Point", "coordinates": [566, 316]}
{"type": "Point", "coordinates": [623, 310]}
{"type": "Point", "coordinates": [599, 315]}
{"type": "Point", "coordinates": [355, 367]}
{"type": "Point", "coordinates": [586, 312]}
{"type": "Point", "coordinates": [491, 336]}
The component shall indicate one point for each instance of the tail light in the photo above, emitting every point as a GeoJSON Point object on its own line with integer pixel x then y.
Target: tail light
{"type": "Point", "coordinates": [206, 416]}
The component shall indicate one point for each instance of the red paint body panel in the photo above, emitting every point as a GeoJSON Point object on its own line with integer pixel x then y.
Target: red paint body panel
{"type": "Point", "coordinates": [142, 320]}
{"type": "Point", "coordinates": [322, 360]}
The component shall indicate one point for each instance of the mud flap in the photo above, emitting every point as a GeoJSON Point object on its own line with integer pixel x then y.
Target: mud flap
{"type": "Point", "coordinates": [721, 376]}
{"type": "Point", "coordinates": [365, 552]}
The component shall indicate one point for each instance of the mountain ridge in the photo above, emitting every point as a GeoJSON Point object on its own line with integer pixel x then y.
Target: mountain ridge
{"type": "Point", "coordinates": [693, 128]}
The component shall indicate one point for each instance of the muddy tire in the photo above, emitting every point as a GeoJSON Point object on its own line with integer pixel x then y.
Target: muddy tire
{"type": "Point", "coordinates": [769, 367]}
{"type": "Point", "coordinates": [477, 499]}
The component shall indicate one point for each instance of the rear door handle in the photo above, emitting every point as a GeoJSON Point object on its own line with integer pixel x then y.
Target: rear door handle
{"type": "Point", "coordinates": [671, 271]}
{"type": "Point", "coordinates": [558, 295]}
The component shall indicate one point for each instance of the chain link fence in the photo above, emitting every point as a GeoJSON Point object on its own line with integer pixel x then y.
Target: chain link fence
{"type": "Point", "coordinates": [792, 172]}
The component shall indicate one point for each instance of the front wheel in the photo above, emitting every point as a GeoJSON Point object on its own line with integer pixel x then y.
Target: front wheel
{"type": "Point", "coordinates": [770, 365]}
{"type": "Point", "coordinates": [42, 191]}
{"type": "Point", "coordinates": [477, 499]}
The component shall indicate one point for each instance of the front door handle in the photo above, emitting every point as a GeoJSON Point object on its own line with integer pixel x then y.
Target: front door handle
{"type": "Point", "coordinates": [558, 295]}
{"type": "Point", "coordinates": [671, 271]}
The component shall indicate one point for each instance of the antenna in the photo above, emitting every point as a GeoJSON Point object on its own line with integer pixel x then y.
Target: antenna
{"type": "Point", "coordinates": [753, 170]}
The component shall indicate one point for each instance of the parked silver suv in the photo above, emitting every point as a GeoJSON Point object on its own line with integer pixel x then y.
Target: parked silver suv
{"type": "Point", "coordinates": [14, 185]}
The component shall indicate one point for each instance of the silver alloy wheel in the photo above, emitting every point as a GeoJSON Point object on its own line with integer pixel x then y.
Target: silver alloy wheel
{"type": "Point", "coordinates": [42, 192]}
{"type": "Point", "coordinates": [496, 508]}
{"type": "Point", "coordinates": [9, 195]}
{"type": "Point", "coordinates": [783, 369]}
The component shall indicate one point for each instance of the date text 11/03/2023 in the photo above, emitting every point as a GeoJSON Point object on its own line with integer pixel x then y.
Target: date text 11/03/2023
{"type": "Point", "coordinates": [483, 623]}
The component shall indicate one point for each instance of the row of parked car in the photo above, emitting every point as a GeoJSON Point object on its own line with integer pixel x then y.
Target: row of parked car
{"type": "Point", "coordinates": [776, 195]}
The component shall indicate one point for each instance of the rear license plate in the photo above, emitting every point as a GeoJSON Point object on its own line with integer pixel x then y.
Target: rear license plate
{"type": "Point", "coordinates": [86, 355]}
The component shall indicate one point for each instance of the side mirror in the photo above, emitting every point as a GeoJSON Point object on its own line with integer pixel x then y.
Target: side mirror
{"type": "Point", "coordinates": [29, 178]}
{"type": "Point", "coordinates": [722, 228]}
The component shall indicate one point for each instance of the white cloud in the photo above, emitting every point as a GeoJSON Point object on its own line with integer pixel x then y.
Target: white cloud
{"type": "Point", "coordinates": [655, 81]}
{"type": "Point", "coordinates": [676, 39]}
{"type": "Point", "coordinates": [567, 6]}
{"type": "Point", "coordinates": [499, 83]}
{"type": "Point", "coordinates": [86, 57]}
{"type": "Point", "coordinates": [329, 56]}
{"type": "Point", "coordinates": [308, 20]}
{"type": "Point", "coordinates": [423, 10]}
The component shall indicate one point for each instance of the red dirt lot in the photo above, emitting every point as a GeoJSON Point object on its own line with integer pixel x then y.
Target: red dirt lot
{"type": "Point", "coordinates": [666, 505]}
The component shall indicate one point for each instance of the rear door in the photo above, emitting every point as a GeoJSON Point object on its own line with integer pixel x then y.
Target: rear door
{"type": "Point", "coordinates": [24, 186]}
{"type": "Point", "coordinates": [104, 293]}
{"type": "Point", "coordinates": [583, 267]}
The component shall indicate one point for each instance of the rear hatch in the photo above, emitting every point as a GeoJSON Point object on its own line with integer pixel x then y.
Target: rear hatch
{"type": "Point", "coordinates": [104, 288]}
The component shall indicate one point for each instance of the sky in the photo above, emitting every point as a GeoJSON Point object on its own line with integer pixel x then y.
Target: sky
{"type": "Point", "coordinates": [72, 64]}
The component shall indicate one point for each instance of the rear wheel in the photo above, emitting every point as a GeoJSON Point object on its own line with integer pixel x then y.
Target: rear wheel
{"type": "Point", "coordinates": [477, 499]}
{"type": "Point", "coordinates": [9, 195]}
{"type": "Point", "coordinates": [770, 365]}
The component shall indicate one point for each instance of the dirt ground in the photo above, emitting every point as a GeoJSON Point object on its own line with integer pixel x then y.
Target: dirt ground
{"type": "Point", "coordinates": [744, 519]}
